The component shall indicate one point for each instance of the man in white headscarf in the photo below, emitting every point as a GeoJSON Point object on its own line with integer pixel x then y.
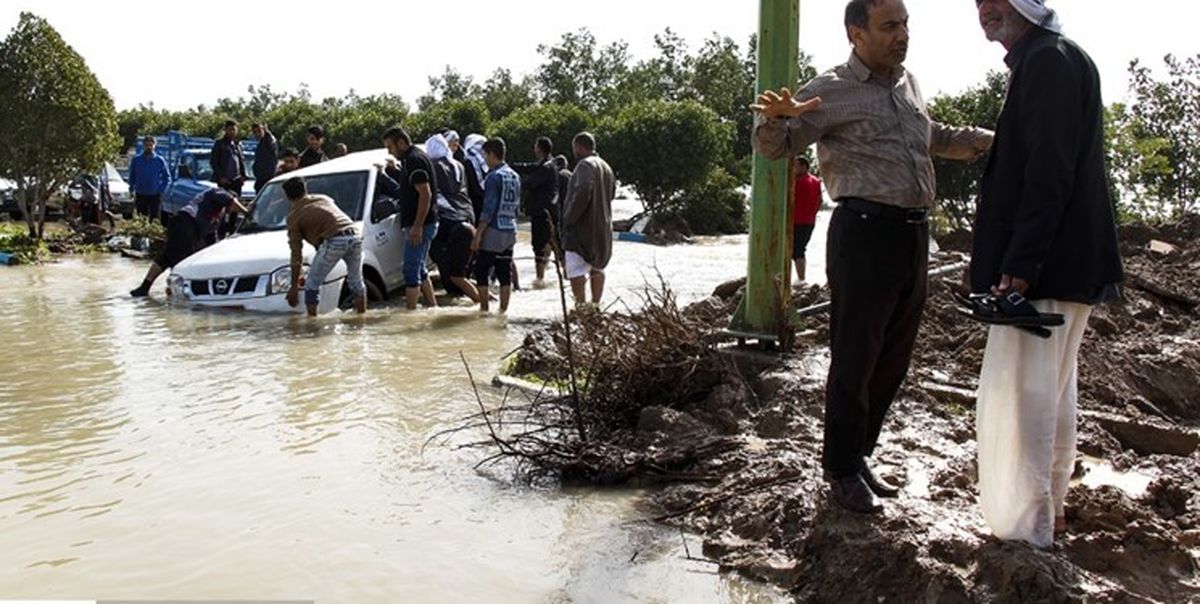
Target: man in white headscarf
{"type": "Point", "coordinates": [477, 169]}
{"type": "Point", "coordinates": [1045, 232]}
{"type": "Point", "coordinates": [451, 249]}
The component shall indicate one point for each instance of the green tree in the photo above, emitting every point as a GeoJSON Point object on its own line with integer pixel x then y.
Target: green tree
{"type": "Point", "coordinates": [663, 148]}
{"type": "Point", "coordinates": [57, 118]}
{"type": "Point", "coordinates": [723, 80]}
{"type": "Point", "coordinates": [361, 124]}
{"type": "Point", "coordinates": [1168, 113]}
{"type": "Point", "coordinates": [576, 71]}
{"type": "Point", "coordinates": [1133, 162]}
{"type": "Point", "coordinates": [717, 206]}
{"type": "Point", "coordinates": [958, 182]}
{"type": "Point", "coordinates": [452, 85]}
{"type": "Point", "coordinates": [465, 116]}
{"type": "Point", "coordinates": [560, 123]}
{"type": "Point", "coordinates": [503, 95]}
{"type": "Point", "coordinates": [667, 76]}
{"type": "Point", "coordinates": [289, 120]}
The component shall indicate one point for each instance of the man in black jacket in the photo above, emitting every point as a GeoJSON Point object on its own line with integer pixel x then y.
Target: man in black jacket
{"type": "Point", "coordinates": [266, 157]}
{"type": "Point", "coordinates": [540, 180]}
{"type": "Point", "coordinates": [228, 162]}
{"type": "Point", "coordinates": [1045, 230]}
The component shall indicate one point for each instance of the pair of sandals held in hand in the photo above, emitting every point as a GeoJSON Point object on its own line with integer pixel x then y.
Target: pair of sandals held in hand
{"type": "Point", "coordinates": [1012, 310]}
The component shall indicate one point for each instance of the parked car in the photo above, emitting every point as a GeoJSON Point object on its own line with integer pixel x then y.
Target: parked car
{"type": "Point", "coordinates": [55, 205]}
{"type": "Point", "coordinates": [8, 200]}
{"type": "Point", "coordinates": [88, 188]}
{"type": "Point", "coordinates": [122, 199]}
{"type": "Point", "coordinates": [250, 271]}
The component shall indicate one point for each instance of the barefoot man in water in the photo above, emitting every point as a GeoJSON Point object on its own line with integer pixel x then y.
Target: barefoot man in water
{"type": "Point", "coordinates": [875, 143]}
{"type": "Point", "coordinates": [1045, 230]}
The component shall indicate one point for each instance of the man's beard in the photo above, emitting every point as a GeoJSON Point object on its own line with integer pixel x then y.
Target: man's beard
{"type": "Point", "coordinates": [1007, 31]}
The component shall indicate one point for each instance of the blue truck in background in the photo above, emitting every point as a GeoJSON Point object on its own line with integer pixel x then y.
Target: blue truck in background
{"type": "Point", "coordinates": [191, 174]}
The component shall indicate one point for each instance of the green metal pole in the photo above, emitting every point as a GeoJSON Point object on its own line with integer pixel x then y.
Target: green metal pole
{"type": "Point", "coordinates": [765, 308]}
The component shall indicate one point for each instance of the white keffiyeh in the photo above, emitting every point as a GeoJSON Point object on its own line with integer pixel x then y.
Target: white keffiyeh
{"type": "Point", "coordinates": [1038, 13]}
{"type": "Point", "coordinates": [437, 148]}
{"type": "Point", "coordinates": [474, 150]}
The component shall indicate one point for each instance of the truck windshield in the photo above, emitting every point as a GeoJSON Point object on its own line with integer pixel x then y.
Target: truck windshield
{"type": "Point", "coordinates": [203, 165]}
{"type": "Point", "coordinates": [271, 207]}
{"type": "Point", "coordinates": [200, 167]}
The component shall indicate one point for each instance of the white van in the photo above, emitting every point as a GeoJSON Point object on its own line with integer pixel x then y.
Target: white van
{"type": "Point", "coordinates": [250, 271]}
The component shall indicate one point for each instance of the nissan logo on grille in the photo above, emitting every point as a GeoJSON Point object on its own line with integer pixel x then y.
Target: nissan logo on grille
{"type": "Point", "coordinates": [221, 287]}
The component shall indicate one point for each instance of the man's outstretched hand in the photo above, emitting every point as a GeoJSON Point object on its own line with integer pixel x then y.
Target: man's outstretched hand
{"type": "Point", "coordinates": [773, 104]}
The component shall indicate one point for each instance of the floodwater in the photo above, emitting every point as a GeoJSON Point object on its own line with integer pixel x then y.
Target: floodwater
{"type": "Point", "coordinates": [148, 451]}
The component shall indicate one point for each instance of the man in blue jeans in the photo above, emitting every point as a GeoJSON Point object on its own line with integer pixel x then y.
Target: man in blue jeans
{"type": "Point", "coordinates": [496, 233]}
{"type": "Point", "coordinates": [318, 220]}
{"type": "Point", "coordinates": [149, 177]}
{"type": "Point", "coordinates": [407, 176]}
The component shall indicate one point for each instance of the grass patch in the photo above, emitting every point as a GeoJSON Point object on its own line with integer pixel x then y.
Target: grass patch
{"type": "Point", "coordinates": [15, 240]}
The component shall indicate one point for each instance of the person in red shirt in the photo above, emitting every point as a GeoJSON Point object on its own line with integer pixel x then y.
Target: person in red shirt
{"type": "Point", "coordinates": [808, 203]}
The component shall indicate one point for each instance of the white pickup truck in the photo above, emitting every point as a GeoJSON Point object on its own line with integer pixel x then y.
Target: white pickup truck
{"type": "Point", "coordinates": [250, 271]}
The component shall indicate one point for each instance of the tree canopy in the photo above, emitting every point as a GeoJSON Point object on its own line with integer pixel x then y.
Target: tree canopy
{"type": "Point", "coordinates": [58, 120]}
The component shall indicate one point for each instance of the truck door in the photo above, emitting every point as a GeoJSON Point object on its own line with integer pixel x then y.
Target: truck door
{"type": "Point", "coordinates": [382, 234]}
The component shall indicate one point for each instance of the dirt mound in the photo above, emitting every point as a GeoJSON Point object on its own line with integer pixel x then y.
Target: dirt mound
{"type": "Point", "coordinates": [741, 451]}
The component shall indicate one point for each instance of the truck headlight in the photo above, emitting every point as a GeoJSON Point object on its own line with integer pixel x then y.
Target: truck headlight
{"type": "Point", "coordinates": [176, 283]}
{"type": "Point", "coordinates": [281, 280]}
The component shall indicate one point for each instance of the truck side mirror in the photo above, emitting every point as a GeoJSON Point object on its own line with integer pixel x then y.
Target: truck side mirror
{"type": "Point", "coordinates": [382, 209]}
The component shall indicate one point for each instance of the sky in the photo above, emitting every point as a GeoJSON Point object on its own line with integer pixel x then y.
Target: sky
{"type": "Point", "coordinates": [181, 54]}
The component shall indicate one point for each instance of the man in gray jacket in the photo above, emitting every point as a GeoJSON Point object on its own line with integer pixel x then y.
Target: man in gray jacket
{"type": "Point", "coordinates": [587, 220]}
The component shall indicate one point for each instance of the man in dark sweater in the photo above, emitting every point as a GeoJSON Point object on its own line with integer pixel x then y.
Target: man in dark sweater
{"type": "Point", "coordinates": [1046, 231]}
{"type": "Point", "coordinates": [540, 181]}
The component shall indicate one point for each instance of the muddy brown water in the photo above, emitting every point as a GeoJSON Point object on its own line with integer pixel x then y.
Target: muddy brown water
{"type": "Point", "coordinates": [148, 451]}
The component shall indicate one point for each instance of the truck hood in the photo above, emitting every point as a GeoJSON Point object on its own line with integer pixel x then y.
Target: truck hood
{"type": "Point", "coordinates": [248, 191]}
{"type": "Point", "coordinates": [241, 256]}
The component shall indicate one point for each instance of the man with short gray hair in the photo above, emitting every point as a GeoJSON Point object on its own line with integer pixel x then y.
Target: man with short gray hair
{"type": "Point", "coordinates": [875, 143]}
{"type": "Point", "coordinates": [1045, 237]}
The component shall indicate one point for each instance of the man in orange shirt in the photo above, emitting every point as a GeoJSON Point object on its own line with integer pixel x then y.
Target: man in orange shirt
{"type": "Point", "coordinates": [808, 203]}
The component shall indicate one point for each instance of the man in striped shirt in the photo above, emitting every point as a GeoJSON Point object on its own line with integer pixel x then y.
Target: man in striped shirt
{"type": "Point", "coordinates": [875, 143]}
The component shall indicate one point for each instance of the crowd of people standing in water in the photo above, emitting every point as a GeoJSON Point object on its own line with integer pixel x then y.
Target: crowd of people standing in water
{"type": "Point", "coordinates": [458, 205]}
{"type": "Point", "coordinates": [1044, 250]}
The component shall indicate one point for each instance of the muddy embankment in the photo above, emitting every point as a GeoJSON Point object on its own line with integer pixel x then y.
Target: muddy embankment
{"type": "Point", "coordinates": [734, 441]}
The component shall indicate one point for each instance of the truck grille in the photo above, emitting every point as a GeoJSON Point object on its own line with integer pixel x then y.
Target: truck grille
{"type": "Point", "coordinates": [225, 287]}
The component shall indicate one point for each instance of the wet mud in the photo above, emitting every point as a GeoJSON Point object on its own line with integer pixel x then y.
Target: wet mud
{"type": "Point", "coordinates": [752, 439]}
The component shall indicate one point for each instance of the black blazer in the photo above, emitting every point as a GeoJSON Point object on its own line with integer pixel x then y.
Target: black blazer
{"type": "Point", "coordinates": [1045, 214]}
{"type": "Point", "coordinates": [228, 161]}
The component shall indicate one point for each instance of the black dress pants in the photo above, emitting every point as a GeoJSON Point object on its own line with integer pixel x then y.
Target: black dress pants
{"type": "Point", "coordinates": [878, 278]}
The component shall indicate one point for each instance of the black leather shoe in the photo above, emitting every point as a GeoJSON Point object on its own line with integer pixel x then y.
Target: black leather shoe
{"type": "Point", "coordinates": [141, 292]}
{"type": "Point", "coordinates": [852, 494]}
{"type": "Point", "coordinates": [878, 486]}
